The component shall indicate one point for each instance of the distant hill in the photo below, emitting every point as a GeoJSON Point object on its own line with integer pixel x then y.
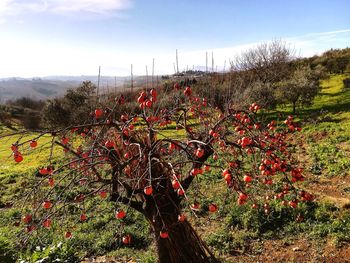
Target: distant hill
{"type": "Point", "coordinates": [34, 88]}
{"type": "Point", "coordinates": [55, 86]}
{"type": "Point", "coordinates": [49, 87]}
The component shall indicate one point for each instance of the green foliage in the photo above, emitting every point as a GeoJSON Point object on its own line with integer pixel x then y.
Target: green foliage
{"type": "Point", "coordinates": [332, 222]}
{"type": "Point", "coordinates": [334, 60]}
{"type": "Point", "coordinates": [227, 242]}
{"type": "Point", "coordinates": [55, 114]}
{"type": "Point", "coordinates": [257, 221]}
{"type": "Point", "coordinates": [74, 107]}
{"type": "Point", "coordinates": [5, 118]}
{"type": "Point", "coordinates": [26, 102]}
{"type": "Point", "coordinates": [25, 111]}
{"type": "Point", "coordinates": [61, 252]}
{"type": "Point", "coordinates": [261, 93]}
{"type": "Point", "coordinates": [244, 225]}
{"type": "Point", "coordinates": [7, 251]}
{"type": "Point", "coordinates": [129, 254]}
{"type": "Point", "coordinates": [300, 88]}
{"type": "Point", "coordinates": [329, 159]}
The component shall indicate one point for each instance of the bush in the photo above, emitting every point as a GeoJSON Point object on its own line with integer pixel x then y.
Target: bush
{"type": "Point", "coordinates": [74, 107]}
{"type": "Point", "coordinates": [5, 117]}
{"type": "Point", "coordinates": [31, 120]}
{"type": "Point", "coordinates": [262, 94]}
{"type": "Point", "coordinates": [7, 251]}
{"type": "Point", "coordinates": [29, 103]}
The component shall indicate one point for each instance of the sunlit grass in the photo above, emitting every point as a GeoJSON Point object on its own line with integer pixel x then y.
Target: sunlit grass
{"type": "Point", "coordinates": [32, 158]}
{"type": "Point", "coordinates": [327, 128]}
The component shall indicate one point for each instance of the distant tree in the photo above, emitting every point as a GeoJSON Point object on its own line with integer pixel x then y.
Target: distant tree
{"type": "Point", "coordinates": [267, 62]}
{"type": "Point", "coordinates": [334, 60]}
{"type": "Point", "coordinates": [5, 118]}
{"type": "Point", "coordinates": [261, 93]}
{"type": "Point", "coordinates": [342, 63]}
{"type": "Point", "coordinates": [26, 110]}
{"type": "Point", "coordinates": [55, 115]}
{"type": "Point", "coordinates": [76, 105]}
{"type": "Point", "coordinates": [332, 65]}
{"type": "Point", "coordinates": [26, 102]}
{"type": "Point", "coordinates": [31, 120]}
{"type": "Point", "coordinates": [320, 72]}
{"type": "Point", "coordinates": [316, 60]}
{"type": "Point", "coordinates": [300, 88]}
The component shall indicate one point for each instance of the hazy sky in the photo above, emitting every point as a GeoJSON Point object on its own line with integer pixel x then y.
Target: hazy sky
{"type": "Point", "coordinates": [74, 37]}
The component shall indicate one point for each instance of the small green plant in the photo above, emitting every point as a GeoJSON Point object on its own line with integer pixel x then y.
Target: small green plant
{"type": "Point", "coordinates": [60, 252]}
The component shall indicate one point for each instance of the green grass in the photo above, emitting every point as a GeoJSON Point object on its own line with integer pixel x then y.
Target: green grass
{"type": "Point", "coordinates": [327, 133]}
{"type": "Point", "coordinates": [32, 158]}
{"type": "Point", "coordinates": [333, 97]}
{"type": "Point", "coordinates": [242, 226]}
{"type": "Point", "coordinates": [12, 174]}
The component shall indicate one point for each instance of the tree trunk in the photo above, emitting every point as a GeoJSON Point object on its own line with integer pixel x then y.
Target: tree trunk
{"type": "Point", "coordinates": [183, 244]}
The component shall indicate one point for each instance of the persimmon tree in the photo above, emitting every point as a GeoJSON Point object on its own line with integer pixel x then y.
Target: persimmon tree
{"type": "Point", "coordinates": [134, 161]}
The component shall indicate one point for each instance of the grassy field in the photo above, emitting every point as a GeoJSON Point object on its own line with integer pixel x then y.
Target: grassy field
{"type": "Point", "coordinates": [235, 233]}
{"type": "Point", "coordinates": [327, 130]}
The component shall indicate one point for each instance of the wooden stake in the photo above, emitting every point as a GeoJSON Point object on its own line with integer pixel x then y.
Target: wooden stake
{"type": "Point", "coordinates": [132, 80]}
{"type": "Point", "coordinates": [177, 63]}
{"type": "Point", "coordinates": [146, 77]}
{"type": "Point", "coordinates": [98, 84]}
{"type": "Point", "coordinates": [206, 62]}
{"type": "Point", "coordinates": [153, 73]}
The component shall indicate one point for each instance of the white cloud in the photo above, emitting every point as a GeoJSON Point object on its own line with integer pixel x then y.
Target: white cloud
{"type": "Point", "coordinates": [316, 43]}
{"type": "Point", "coordinates": [327, 33]}
{"type": "Point", "coordinates": [63, 7]}
{"type": "Point", "coordinates": [91, 6]}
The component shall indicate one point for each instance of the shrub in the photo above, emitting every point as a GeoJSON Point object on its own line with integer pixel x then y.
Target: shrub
{"type": "Point", "coordinates": [7, 251]}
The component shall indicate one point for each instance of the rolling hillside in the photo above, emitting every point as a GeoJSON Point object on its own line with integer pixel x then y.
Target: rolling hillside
{"type": "Point", "coordinates": [56, 86]}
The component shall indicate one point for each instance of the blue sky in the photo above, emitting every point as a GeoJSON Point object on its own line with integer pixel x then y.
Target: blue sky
{"type": "Point", "coordinates": [74, 37]}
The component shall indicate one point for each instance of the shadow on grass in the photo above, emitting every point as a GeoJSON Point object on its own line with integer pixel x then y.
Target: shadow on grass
{"type": "Point", "coordinates": [320, 107]}
{"type": "Point", "coordinates": [329, 94]}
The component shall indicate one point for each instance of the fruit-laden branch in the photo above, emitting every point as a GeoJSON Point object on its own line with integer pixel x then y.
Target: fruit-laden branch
{"type": "Point", "coordinates": [79, 156]}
